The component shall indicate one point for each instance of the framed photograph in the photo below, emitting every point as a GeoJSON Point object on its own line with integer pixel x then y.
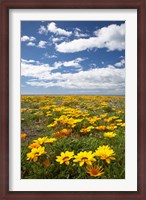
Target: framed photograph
{"type": "Point", "coordinates": [72, 99]}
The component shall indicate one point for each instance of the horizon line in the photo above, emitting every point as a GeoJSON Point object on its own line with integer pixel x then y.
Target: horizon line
{"type": "Point", "coordinates": [72, 94]}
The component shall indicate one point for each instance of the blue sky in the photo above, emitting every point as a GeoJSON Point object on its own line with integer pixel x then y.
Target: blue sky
{"type": "Point", "coordinates": [73, 57]}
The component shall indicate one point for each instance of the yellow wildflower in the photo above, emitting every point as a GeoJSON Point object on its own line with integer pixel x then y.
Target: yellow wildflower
{"type": "Point", "coordinates": [65, 157]}
{"type": "Point", "coordinates": [40, 140]}
{"type": "Point", "coordinates": [123, 125]}
{"type": "Point", "coordinates": [103, 115]}
{"type": "Point", "coordinates": [84, 157]}
{"type": "Point", "coordinates": [44, 140]}
{"type": "Point", "coordinates": [118, 120]}
{"type": "Point", "coordinates": [50, 140]}
{"type": "Point", "coordinates": [53, 124]}
{"type": "Point", "coordinates": [105, 153]}
{"type": "Point", "coordinates": [111, 128]}
{"type": "Point", "coordinates": [94, 170]}
{"type": "Point", "coordinates": [35, 153]}
{"type": "Point", "coordinates": [23, 109]}
{"type": "Point", "coordinates": [33, 145]}
{"type": "Point", "coordinates": [109, 134]}
{"type": "Point", "coordinates": [86, 130]}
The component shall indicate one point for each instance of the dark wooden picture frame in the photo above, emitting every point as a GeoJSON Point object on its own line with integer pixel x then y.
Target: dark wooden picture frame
{"type": "Point", "coordinates": [6, 5]}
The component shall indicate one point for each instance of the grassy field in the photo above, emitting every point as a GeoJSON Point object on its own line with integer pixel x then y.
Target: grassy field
{"type": "Point", "coordinates": [72, 137]}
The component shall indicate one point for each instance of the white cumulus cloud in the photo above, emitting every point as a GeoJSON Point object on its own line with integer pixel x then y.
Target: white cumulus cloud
{"type": "Point", "coordinates": [32, 44]}
{"type": "Point", "coordinates": [78, 33]}
{"type": "Point", "coordinates": [49, 56]}
{"type": "Point", "coordinates": [42, 44]}
{"type": "Point", "coordinates": [27, 61]}
{"type": "Point", "coordinates": [111, 37]}
{"type": "Point", "coordinates": [42, 30]}
{"type": "Point", "coordinates": [35, 69]}
{"type": "Point", "coordinates": [102, 79]}
{"type": "Point", "coordinates": [54, 39]}
{"type": "Point", "coordinates": [121, 63]}
{"type": "Point", "coordinates": [71, 63]}
{"type": "Point", "coordinates": [27, 38]}
{"type": "Point", "coordinates": [58, 31]}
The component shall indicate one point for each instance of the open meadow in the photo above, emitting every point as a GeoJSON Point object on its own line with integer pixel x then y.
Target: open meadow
{"type": "Point", "coordinates": [72, 137]}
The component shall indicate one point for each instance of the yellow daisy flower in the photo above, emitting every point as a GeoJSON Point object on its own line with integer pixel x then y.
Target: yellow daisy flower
{"type": "Point", "coordinates": [40, 140]}
{"type": "Point", "coordinates": [50, 140]}
{"type": "Point", "coordinates": [119, 120]}
{"type": "Point", "coordinates": [109, 134]}
{"type": "Point", "coordinates": [44, 140]}
{"type": "Point", "coordinates": [35, 153]}
{"type": "Point", "coordinates": [65, 157]}
{"type": "Point", "coordinates": [84, 157]}
{"type": "Point", "coordinates": [105, 153]}
{"type": "Point", "coordinates": [86, 130]}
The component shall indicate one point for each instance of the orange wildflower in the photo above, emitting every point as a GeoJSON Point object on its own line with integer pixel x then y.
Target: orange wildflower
{"type": "Point", "coordinates": [23, 135]}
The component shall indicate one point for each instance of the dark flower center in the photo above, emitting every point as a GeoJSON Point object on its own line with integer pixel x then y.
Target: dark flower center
{"type": "Point", "coordinates": [65, 158]}
{"type": "Point", "coordinates": [84, 159]}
